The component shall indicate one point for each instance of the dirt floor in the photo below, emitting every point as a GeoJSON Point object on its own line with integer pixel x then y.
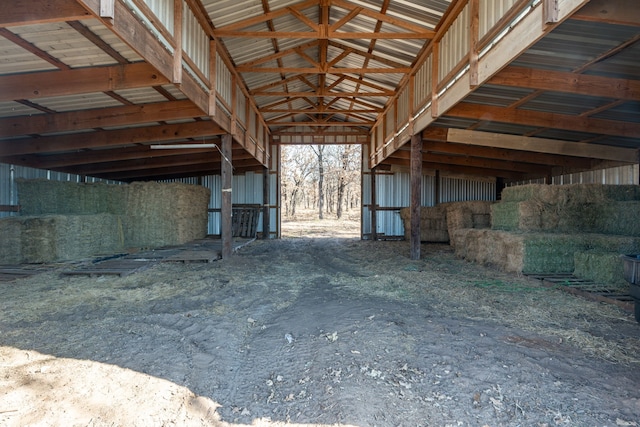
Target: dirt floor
{"type": "Point", "coordinates": [314, 331]}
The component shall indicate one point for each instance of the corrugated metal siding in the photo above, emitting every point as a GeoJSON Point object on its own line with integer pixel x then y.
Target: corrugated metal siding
{"type": "Point", "coordinates": [393, 191]}
{"type": "Point", "coordinates": [490, 13]}
{"type": "Point", "coordinates": [456, 190]}
{"type": "Point", "coordinates": [163, 10]}
{"type": "Point", "coordinates": [195, 41]}
{"type": "Point", "coordinates": [622, 175]}
{"type": "Point", "coordinates": [454, 45]}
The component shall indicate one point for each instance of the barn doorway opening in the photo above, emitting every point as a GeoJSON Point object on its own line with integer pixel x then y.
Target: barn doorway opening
{"type": "Point", "coordinates": [320, 191]}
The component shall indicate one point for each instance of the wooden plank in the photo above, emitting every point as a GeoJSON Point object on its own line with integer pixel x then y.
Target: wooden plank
{"type": "Point", "coordinates": [78, 81]}
{"type": "Point", "coordinates": [557, 81]}
{"type": "Point", "coordinates": [97, 118]}
{"type": "Point", "coordinates": [30, 12]}
{"type": "Point", "coordinates": [194, 256]}
{"type": "Point", "coordinates": [541, 145]}
{"type": "Point", "coordinates": [106, 138]}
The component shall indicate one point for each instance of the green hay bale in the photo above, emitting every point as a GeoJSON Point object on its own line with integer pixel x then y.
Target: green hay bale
{"type": "Point", "coordinates": [620, 218]}
{"type": "Point", "coordinates": [38, 239]}
{"type": "Point", "coordinates": [44, 197]}
{"type": "Point", "coordinates": [505, 216]}
{"type": "Point", "coordinates": [53, 238]}
{"type": "Point", "coordinates": [11, 242]}
{"type": "Point", "coordinates": [165, 214]}
{"type": "Point", "coordinates": [601, 267]}
{"type": "Point", "coordinates": [79, 236]}
{"type": "Point", "coordinates": [551, 253]}
{"type": "Point", "coordinates": [572, 193]}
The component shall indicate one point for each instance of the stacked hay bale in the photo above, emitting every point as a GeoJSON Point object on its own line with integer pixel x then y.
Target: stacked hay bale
{"type": "Point", "coordinates": [65, 220]}
{"type": "Point", "coordinates": [437, 222]}
{"type": "Point", "coordinates": [580, 229]}
{"type": "Point", "coordinates": [165, 214]}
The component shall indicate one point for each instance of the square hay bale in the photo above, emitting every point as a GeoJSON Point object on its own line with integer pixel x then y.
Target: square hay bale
{"type": "Point", "coordinates": [11, 242]}
{"type": "Point", "coordinates": [495, 248]}
{"type": "Point", "coordinates": [165, 214]}
{"type": "Point", "coordinates": [433, 224]}
{"type": "Point", "coordinates": [505, 216]}
{"type": "Point", "coordinates": [79, 236]}
{"type": "Point", "coordinates": [601, 267]}
{"type": "Point", "coordinates": [551, 252]}
{"type": "Point", "coordinates": [43, 197]}
{"type": "Point", "coordinates": [572, 193]}
{"type": "Point", "coordinates": [469, 214]}
{"type": "Point", "coordinates": [52, 238]}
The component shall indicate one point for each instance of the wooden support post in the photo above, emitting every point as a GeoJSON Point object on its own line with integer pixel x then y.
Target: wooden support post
{"type": "Point", "coordinates": [473, 43]}
{"type": "Point", "coordinates": [416, 191]}
{"type": "Point", "coordinates": [227, 179]}
{"type": "Point", "coordinates": [177, 39]}
{"type": "Point", "coordinates": [373, 207]}
{"type": "Point", "coordinates": [266, 198]}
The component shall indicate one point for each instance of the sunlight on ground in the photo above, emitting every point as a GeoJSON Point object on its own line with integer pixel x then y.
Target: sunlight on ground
{"type": "Point", "coordinates": [306, 224]}
{"type": "Point", "coordinates": [43, 390]}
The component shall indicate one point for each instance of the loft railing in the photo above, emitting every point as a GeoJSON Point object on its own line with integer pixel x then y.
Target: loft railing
{"type": "Point", "coordinates": [469, 32]}
{"type": "Point", "coordinates": [179, 29]}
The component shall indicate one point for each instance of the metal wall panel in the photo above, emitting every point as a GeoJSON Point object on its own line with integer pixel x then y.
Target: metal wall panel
{"type": "Point", "coordinates": [163, 9]}
{"type": "Point", "coordinates": [490, 13]}
{"type": "Point", "coordinates": [223, 80]}
{"type": "Point", "coordinates": [456, 190]}
{"type": "Point", "coordinates": [454, 45]}
{"type": "Point", "coordinates": [195, 41]}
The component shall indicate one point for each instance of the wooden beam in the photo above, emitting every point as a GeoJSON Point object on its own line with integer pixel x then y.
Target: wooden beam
{"type": "Point", "coordinates": [107, 138]}
{"type": "Point", "coordinates": [557, 81]}
{"type": "Point", "coordinates": [468, 170]}
{"type": "Point", "coordinates": [617, 12]}
{"type": "Point", "coordinates": [416, 194]}
{"type": "Point", "coordinates": [97, 118]}
{"type": "Point", "coordinates": [316, 124]}
{"type": "Point", "coordinates": [326, 94]}
{"type": "Point", "coordinates": [76, 158]}
{"type": "Point", "coordinates": [226, 206]}
{"type": "Point", "coordinates": [477, 162]}
{"type": "Point", "coordinates": [545, 120]}
{"type": "Point", "coordinates": [78, 81]}
{"type": "Point", "coordinates": [130, 29]}
{"type": "Point", "coordinates": [505, 154]}
{"type": "Point", "coordinates": [319, 70]}
{"type": "Point", "coordinates": [30, 12]}
{"type": "Point", "coordinates": [541, 145]}
{"type": "Point", "coordinates": [317, 35]}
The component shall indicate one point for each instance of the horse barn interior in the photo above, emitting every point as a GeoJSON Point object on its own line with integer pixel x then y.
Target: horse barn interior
{"type": "Point", "coordinates": [451, 101]}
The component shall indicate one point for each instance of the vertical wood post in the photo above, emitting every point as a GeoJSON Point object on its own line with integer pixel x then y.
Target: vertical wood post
{"type": "Point", "coordinates": [177, 39]}
{"type": "Point", "coordinates": [373, 207]}
{"type": "Point", "coordinates": [227, 179]}
{"type": "Point", "coordinates": [416, 191]}
{"type": "Point", "coordinates": [266, 198]}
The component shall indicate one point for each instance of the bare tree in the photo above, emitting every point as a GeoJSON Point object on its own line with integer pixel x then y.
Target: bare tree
{"type": "Point", "coordinates": [319, 152]}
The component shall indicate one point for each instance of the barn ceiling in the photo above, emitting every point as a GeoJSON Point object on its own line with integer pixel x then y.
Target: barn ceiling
{"type": "Point", "coordinates": [89, 93]}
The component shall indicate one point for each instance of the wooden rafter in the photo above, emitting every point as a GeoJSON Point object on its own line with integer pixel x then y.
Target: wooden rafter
{"type": "Point", "coordinates": [30, 12]}
{"type": "Point", "coordinates": [544, 119]}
